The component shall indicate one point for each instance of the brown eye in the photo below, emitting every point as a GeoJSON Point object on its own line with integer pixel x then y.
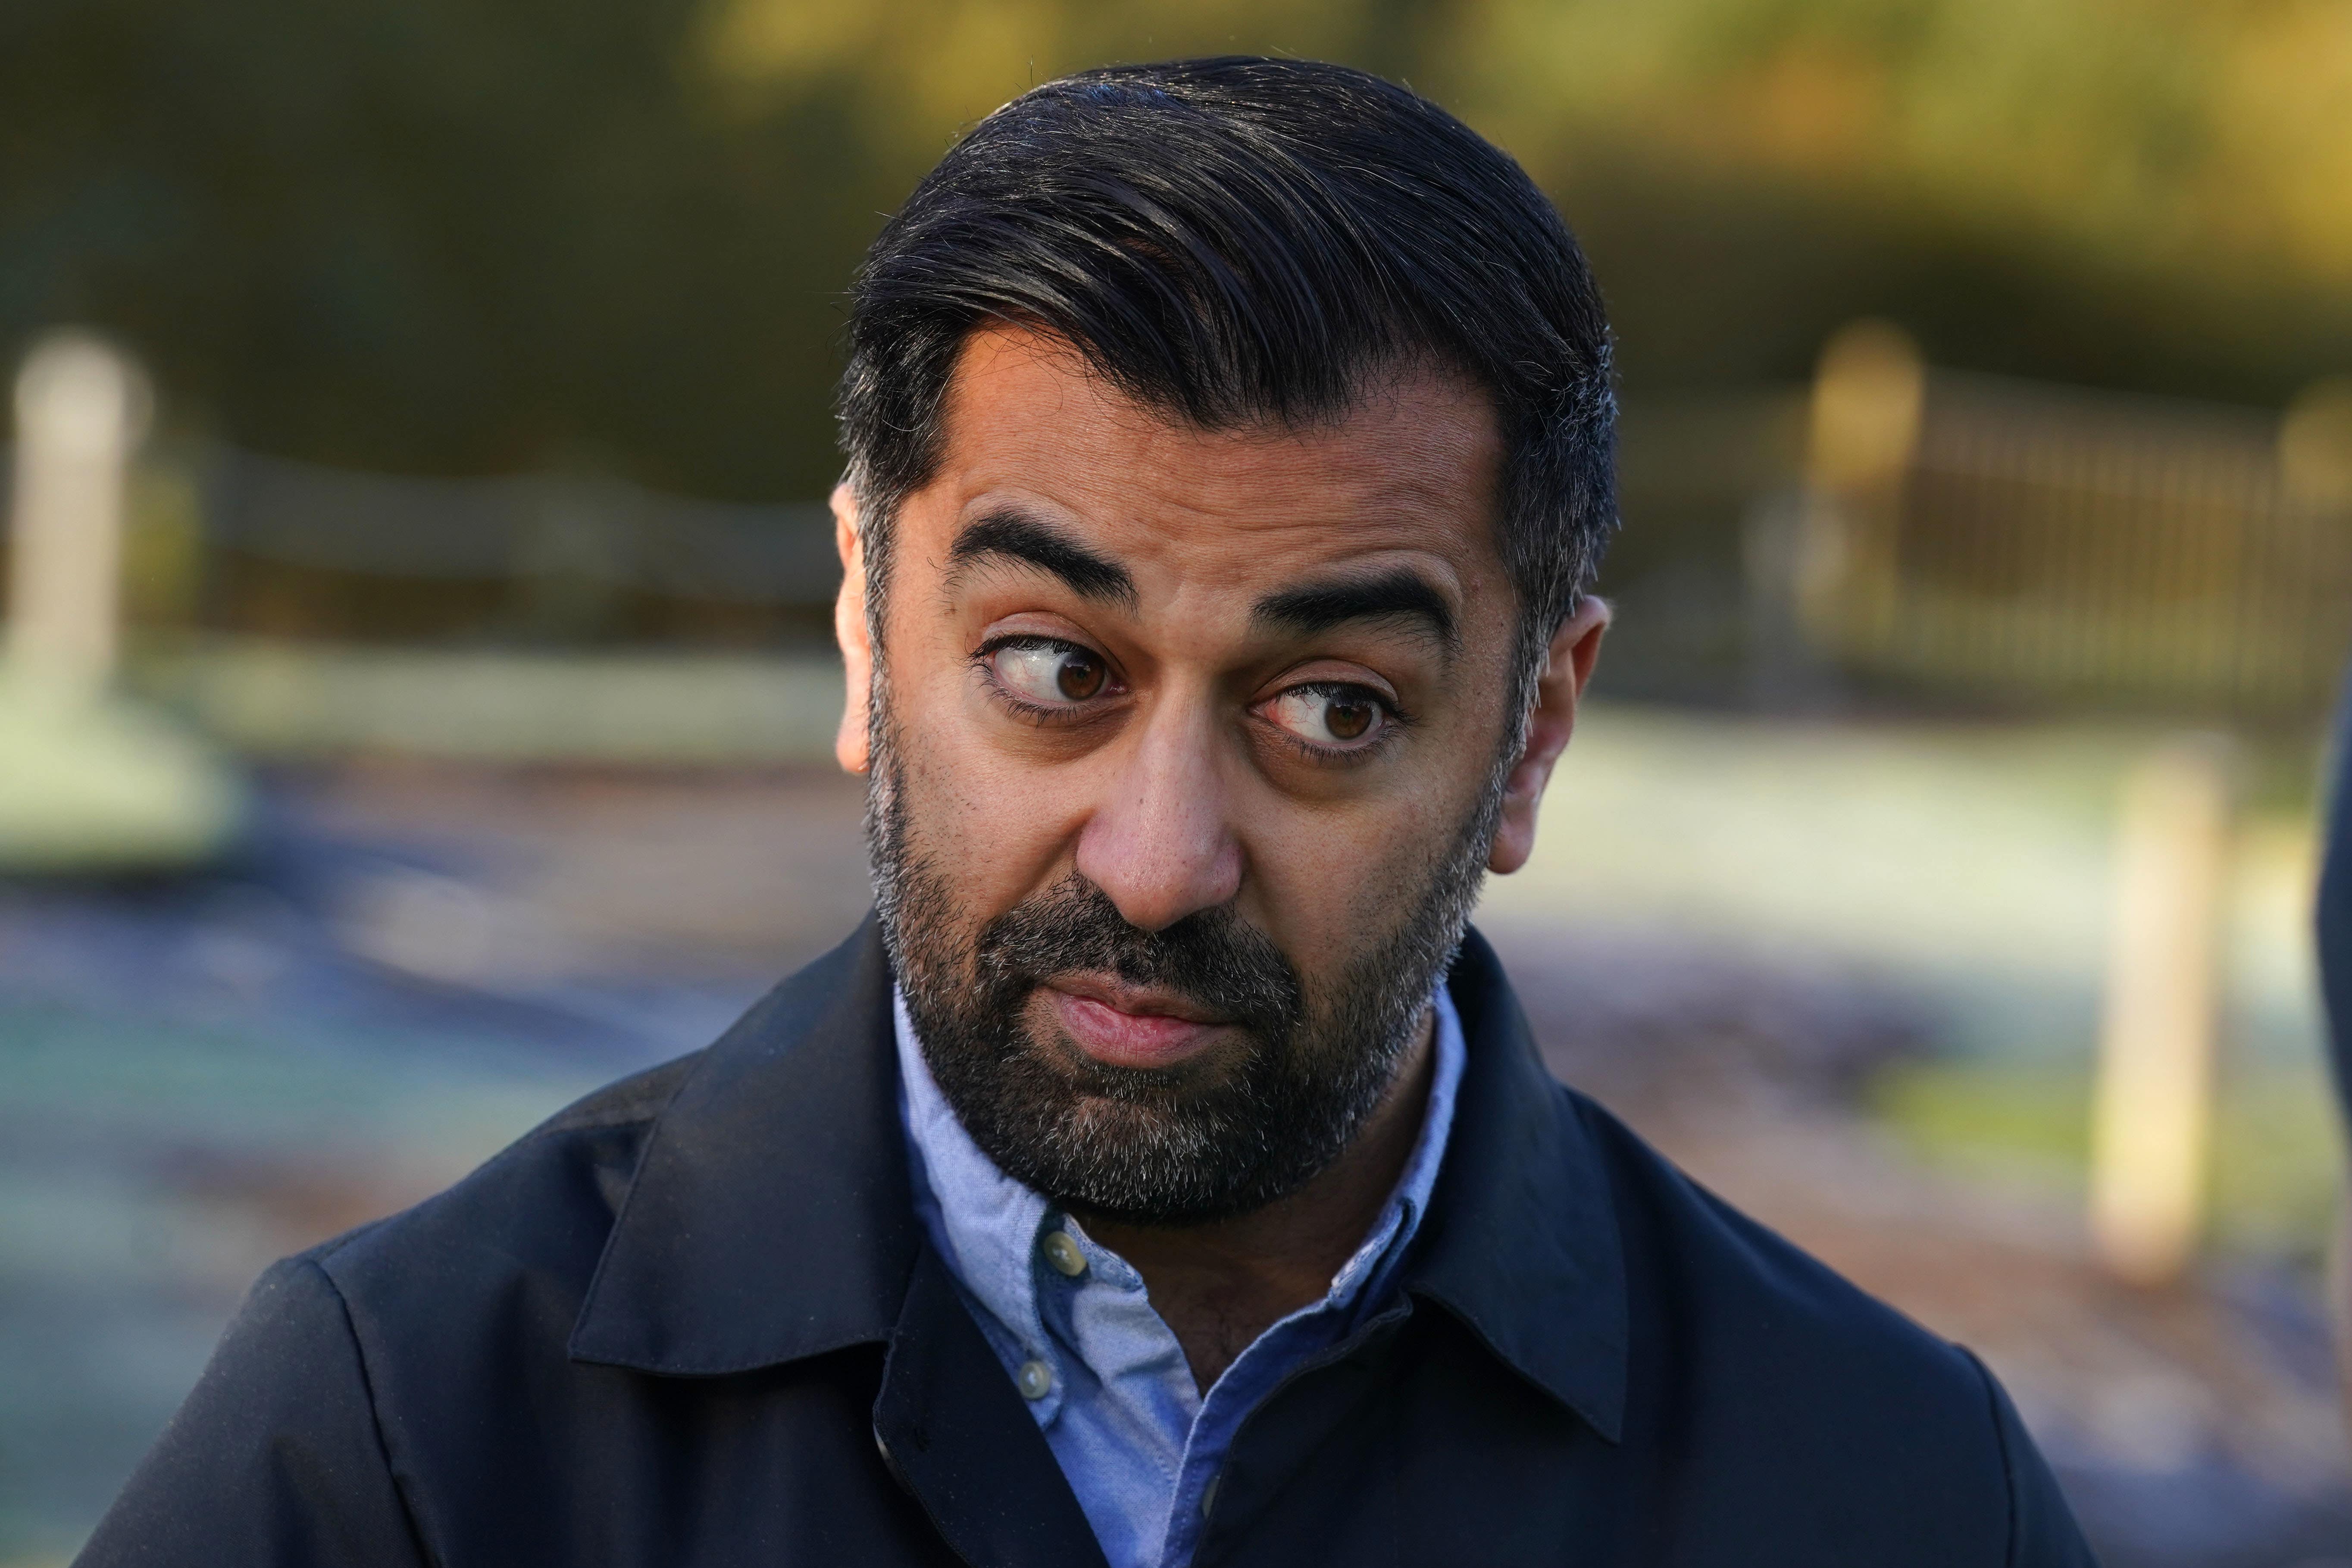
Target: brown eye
{"type": "Point", "coordinates": [1080, 677]}
{"type": "Point", "coordinates": [1048, 673]}
{"type": "Point", "coordinates": [1345, 717]}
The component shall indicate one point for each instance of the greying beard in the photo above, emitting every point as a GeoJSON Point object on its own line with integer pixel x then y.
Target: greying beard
{"type": "Point", "coordinates": [1180, 1145]}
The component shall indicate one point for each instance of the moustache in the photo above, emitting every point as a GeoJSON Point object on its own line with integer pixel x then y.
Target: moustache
{"type": "Point", "coordinates": [1212, 958]}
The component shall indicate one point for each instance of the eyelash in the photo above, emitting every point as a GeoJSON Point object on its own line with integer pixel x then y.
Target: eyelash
{"type": "Point", "coordinates": [1020, 708]}
{"type": "Point", "coordinates": [1394, 721]}
{"type": "Point", "coordinates": [1394, 718]}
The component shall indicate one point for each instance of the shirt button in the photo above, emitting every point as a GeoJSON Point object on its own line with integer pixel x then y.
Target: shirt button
{"type": "Point", "coordinates": [1064, 1253]}
{"type": "Point", "coordinates": [1209, 1494]}
{"type": "Point", "coordinates": [1035, 1380]}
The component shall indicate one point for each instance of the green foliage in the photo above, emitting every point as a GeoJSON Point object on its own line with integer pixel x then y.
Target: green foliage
{"type": "Point", "coordinates": [438, 235]}
{"type": "Point", "coordinates": [481, 235]}
{"type": "Point", "coordinates": [2277, 1157]}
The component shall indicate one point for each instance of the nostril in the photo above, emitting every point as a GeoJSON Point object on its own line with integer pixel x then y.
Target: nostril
{"type": "Point", "coordinates": [1162, 845]}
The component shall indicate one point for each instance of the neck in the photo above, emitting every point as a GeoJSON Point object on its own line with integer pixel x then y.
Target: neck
{"type": "Point", "coordinates": [1220, 1285]}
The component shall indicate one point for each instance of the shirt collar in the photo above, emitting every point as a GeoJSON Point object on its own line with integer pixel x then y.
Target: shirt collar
{"type": "Point", "coordinates": [771, 1215]}
{"type": "Point", "coordinates": [987, 1225]}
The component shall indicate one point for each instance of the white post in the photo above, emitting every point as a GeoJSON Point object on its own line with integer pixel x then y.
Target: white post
{"type": "Point", "coordinates": [82, 410]}
{"type": "Point", "coordinates": [2314, 444]}
{"type": "Point", "coordinates": [2152, 1105]}
{"type": "Point", "coordinates": [1870, 399]}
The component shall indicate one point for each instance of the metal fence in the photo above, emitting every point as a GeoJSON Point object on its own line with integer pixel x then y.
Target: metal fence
{"type": "Point", "coordinates": [221, 540]}
{"type": "Point", "coordinates": [293, 548]}
{"type": "Point", "coordinates": [1969, 534]}
{"type": "Point", "coordinates": [529, 526]}
{"type": "Point", "coordinates": [2000, 537]}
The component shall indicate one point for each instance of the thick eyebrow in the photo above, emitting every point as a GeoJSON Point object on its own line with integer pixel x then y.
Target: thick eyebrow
{"type": "Point", "coordinates": [1012, 536]}
{"type": "Point", "coordinates": [1401, 594]}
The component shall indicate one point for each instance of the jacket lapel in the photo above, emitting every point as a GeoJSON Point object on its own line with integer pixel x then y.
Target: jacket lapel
{"type": "Point", "coordinates": [1521, 1241]}
{"type": "Point", "coordinates": [957, 1435]}
{"type": "Point", "coordinates": [771, 1217]}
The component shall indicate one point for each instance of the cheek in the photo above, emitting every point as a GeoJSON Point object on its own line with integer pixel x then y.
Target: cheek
{"type": "Point", "coordinates": [996, 829]}
{"type": "Point", "coordinates": [1334, 888]}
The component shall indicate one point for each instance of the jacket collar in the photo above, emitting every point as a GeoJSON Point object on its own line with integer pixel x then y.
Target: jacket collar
{"type": "Point", "coordinates": [771, 1217]}
{"type": "Point", "coordinates": [1521, 1241]}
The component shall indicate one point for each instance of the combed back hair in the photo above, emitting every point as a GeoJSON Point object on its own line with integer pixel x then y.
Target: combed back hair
{"type": "Point", "coordinates": [1246, 242]}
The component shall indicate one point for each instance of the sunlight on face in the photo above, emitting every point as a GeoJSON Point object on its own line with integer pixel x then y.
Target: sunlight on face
{"type": "Point", "coordinates": [1265, 669]}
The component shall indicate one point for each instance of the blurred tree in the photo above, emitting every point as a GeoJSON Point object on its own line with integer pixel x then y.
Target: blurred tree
{"type": "Point", "coordinates": [2138, 192]}
{"type": "Point", "coordinates": [481, 235]}
{"type": "Point", "coordinates": [435, 233]}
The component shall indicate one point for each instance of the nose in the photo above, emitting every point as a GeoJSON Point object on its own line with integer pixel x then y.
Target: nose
{"type": "Point", "coordinates": [1160, 844]}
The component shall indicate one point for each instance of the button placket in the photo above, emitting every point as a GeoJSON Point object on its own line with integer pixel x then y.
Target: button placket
{"type": "Point", "coordinates": [1063, 1254]}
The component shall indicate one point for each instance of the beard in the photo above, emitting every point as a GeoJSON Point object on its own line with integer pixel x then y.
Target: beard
{"type": "Point", "coordinates": [1231, 1131]}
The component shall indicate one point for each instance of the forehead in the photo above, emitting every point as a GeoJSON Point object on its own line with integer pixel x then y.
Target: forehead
{"type": "Point", "coordinates": [1413, 466]}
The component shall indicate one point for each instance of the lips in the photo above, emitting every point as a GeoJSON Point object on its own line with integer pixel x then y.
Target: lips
{"type": "Point", "coordinates": [1129, 1026]}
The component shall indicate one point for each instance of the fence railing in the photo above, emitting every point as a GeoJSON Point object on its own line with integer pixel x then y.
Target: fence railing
{"type": "Point", "coordinates": [1983, 536]}
{"type": "Point", "coordinates": [293, 548]}
{"type": "Point", "coordinates": [219, 539]}
{"type": "Point", "coordinates": [1972, 531]}
{"type": "Point", "coordinates": [527, 526]}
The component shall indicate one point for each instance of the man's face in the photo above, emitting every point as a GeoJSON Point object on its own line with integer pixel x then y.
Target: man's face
{"type": "Point", "coordinates": [1188, 749]}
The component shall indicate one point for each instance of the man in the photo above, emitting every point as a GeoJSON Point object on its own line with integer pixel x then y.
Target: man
{"type": "Point", "coordinates": [1164, 1176]}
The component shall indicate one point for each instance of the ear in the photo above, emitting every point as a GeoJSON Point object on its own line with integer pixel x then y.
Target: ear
{"type": "Point", "coordinates": [1552, 718]}
{"type": "Point", "coordinates": [850, 745]}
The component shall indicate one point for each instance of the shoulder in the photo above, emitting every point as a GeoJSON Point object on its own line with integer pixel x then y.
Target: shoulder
{"type": "Point", "coordinates": [1711, 1271]}
{"type": "Point", "coordinates": [1747, 1349]}
{"type": "Point", "coordinates": [288, 1448]}
{"type": "Point", "coordinates": [537, 1213]}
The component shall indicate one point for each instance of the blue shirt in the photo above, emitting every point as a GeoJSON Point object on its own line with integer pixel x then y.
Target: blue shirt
{"type": "Point", "coordinates": [1104, 1376]}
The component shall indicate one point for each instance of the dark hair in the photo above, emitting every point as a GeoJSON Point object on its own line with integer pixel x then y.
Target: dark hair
{"type": "Point", "coordinates": [1240, 241]}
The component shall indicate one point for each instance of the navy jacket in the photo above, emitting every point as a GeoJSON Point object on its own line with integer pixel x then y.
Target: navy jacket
{"type": "Point", "coordinates": [2335, 920]}
{"type": "Point", "coordinates": [693, 1320]}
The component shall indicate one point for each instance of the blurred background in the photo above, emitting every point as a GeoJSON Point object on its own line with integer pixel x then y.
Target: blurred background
{"type": "Point", "coordinates": [416, 699]}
